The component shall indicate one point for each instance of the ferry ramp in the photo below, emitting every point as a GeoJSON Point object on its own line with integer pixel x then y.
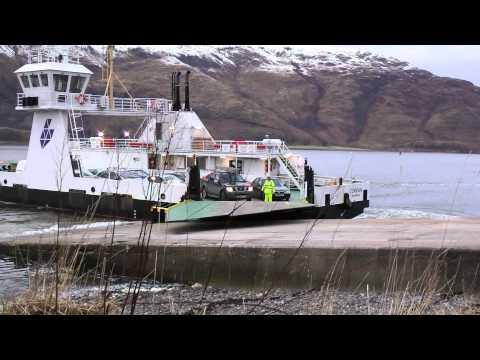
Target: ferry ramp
{"type": "Point", "coordinates": [190, 210]}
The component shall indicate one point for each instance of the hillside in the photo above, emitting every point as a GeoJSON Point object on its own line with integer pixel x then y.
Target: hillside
{"type": "Point", "coordinates": [303, 96]}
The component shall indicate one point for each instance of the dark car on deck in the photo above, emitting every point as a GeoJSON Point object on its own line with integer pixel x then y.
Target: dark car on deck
{"type": "Point", "coordinates": [225, 185]}
{"type": "Point", "coordinates": [121, 174]}
{"type": "Point", "coordinates": [282, 192]}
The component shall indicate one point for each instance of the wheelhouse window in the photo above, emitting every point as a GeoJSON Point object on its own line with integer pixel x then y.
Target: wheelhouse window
{"type": "Point", "coordinates": [34, 80]}
{"type": "Point", "coordinates": [236, 164]}
{"type": "Point", "coordinates": [25, 82]}
{"type": "Point", "coordinates": [60, 82]}
{"type": "Point", "coordinates": [76, 84]}
{"type": "Point", "coordinates": [44, 79]}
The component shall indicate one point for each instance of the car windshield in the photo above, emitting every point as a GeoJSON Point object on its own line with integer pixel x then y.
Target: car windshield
{"type": "Point", "coordinates": [133, 174]}
{"type": "Point", "coordinates": [231, 178]}
{"type": "Point", "coordinates": [171, 177]}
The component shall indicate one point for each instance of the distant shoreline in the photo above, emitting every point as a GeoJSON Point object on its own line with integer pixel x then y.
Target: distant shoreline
{"type": "Point", "coordinates": [12, 143]}
{"type": "Point", "coordinates": [321, 148]}
{"type": "Point", "coordinates": [407, 150]}
{"type": "Point", "coordinates": [326, 148]}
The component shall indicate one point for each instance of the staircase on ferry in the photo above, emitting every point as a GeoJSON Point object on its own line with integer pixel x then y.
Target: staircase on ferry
{"type": "Point", "coordinates": [293, 174]}
{"type": "Point", "coordinates": [77, 133]}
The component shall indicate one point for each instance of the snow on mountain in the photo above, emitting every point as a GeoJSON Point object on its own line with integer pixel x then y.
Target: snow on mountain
{"type": "Point", "coordinates": [7, 50]}
{"type": "Point", "coordinates": [90, 54]}
{"type": "Point", "coordinates": [270, 58]}
{"type": "Point", "coordinates": [275, 58]}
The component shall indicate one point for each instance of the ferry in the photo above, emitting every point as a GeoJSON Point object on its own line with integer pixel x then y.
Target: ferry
{"type": "Point", "coordinates": [126, 177]}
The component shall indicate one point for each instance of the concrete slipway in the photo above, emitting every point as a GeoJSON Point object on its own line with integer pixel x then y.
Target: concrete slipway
{"type": "Point", "coordinates": [296, 253]}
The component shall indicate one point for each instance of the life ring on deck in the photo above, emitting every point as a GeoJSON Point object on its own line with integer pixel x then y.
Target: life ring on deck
{"type": "Point", "coordinates": [81, 99]}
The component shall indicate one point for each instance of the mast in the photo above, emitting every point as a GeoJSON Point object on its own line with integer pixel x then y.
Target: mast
{"type": "Point", "coordinates": [108, 73]}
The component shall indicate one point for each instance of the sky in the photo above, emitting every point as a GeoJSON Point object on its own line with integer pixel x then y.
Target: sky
{"type": "Point", "coordinates": [457, 61]}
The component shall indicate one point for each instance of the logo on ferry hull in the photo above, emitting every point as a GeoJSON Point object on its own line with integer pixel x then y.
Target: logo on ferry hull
{"type": "Point", "coordinates": [47, 134]}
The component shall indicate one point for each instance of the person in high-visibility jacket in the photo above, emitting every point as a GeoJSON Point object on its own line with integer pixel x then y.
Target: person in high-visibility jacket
{"type": "Point", "coordinates": [268, 189]}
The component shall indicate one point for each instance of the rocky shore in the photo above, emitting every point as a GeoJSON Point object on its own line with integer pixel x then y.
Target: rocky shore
{"type": "Point", "coordinates": [181, 299]}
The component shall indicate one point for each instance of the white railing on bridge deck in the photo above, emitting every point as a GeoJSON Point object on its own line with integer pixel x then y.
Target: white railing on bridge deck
{"type": "Point", "coordinates": [99, 143]}
{"type": "Point", "coordinates": [239, 147]}
{"type": "Point", "coordinates": [90, 102]}
{"type": "Point", "coordinates": [124, 105]}
{"type": "Point", "coordinates": [41, 55]}
{"type": "Point", "coordinates": [333, 181]}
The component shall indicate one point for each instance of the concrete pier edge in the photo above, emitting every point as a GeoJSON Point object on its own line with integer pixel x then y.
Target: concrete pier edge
{"type": "Point", "coordinates": [345, 254]}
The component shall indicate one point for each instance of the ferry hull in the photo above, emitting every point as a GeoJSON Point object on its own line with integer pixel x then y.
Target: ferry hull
{"type": "Point", "coordinates": [81, 204]}
{"type": "Point", "coordinates": [125, 207]}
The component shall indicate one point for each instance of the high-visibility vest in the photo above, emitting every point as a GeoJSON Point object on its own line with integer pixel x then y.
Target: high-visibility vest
{"type": "Point", "coordinates": [268, 186]}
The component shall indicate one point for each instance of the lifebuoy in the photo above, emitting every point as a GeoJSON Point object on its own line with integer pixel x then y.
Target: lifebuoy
{"type": "Point", "coordinates": [81, 99]}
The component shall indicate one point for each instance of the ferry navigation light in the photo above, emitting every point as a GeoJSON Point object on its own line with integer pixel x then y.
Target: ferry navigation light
{"type": "Point", "coordinates": [101, 134]}
{"type": "Point", "coordinates": [126, 134]}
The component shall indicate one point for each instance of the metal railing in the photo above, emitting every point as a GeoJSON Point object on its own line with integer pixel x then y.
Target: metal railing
{"type": "Point", "coordinates": [234, 147]}
{"type": "Point", "coordinates": [41, 55]}
{"type": "Point", "coordinates": [90, 102]}
{"type": "Point", "coordinates": [124, 105]}
{"type": "Point", "coordinates": [333, 181]}
{"type": "Point", "coordinates": [99, 143]}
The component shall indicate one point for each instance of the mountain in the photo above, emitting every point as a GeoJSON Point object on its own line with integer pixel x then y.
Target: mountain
{"type": "Point", "coordinates": [303, 95]}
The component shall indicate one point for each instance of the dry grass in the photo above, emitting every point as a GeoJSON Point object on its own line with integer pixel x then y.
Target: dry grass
{"type": "Point", "coordinates": [50, 287]}
{"type": "Point", "coordinates": [37, 305]}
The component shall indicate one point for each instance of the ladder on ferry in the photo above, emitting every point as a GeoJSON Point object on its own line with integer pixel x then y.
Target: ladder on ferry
{"type": "Point", "coordinates": [293, 174]}
{"type": "Point", "coordinates": [77, 131]}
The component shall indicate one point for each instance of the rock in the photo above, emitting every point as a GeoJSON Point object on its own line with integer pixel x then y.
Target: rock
{"type": "Point", "coordinates": [197, 286]}
{"type": "Point", "coordinates": [157, 289]}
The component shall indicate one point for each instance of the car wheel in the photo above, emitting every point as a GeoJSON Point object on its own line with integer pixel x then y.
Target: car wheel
{"type": "Point", "coordinates": [249, 199]}
{"type": "Point", "coordinates": [203, 193]}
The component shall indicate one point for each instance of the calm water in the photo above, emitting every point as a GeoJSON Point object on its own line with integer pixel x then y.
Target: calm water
{"type": "Point", "coordinates": [13, 278]}
{"type": "Point", "coordinates": [408, 184]}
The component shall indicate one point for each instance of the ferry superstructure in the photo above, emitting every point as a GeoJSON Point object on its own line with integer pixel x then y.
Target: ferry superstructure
{"type": "Point", "coordinates": [62, 165]}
